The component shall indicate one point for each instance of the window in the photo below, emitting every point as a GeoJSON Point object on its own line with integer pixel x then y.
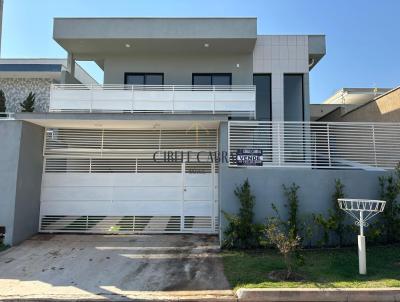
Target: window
{"type": "Point", "coordinates": [212, 79]}
{"type": "Point", "coordinates": [144, 78]}
{"type": "Point", "coordinates": [263, 96]}
{"type": "Point", "coordinates": [293, 97]}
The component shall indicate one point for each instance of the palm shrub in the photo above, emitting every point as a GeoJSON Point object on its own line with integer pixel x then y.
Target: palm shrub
{"type": "Point", "coordinates": [242, 232]}
{"type": "Point", "coordinates": [28, 105]}
{"type": "Point", "coordinates": [2, 102]}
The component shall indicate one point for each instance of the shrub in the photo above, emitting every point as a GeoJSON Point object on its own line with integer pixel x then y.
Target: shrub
{"type": "Point", "coordinates": [29, 104]}
{"type": "Point", "coordinates": [293, 207]}
{"type": "Point", "coordinates": [389, 191]}
{"type": "Point", "coordinates": [242, 232]}
{"type": "Point", "coordinates": [334, 223]}
{"type": "Point", "coordinates": [285, 241]}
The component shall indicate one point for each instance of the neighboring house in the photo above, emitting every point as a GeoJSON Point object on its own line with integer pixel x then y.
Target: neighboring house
{"type": "Point", "coordinates": [347, 99]}
{"type": "Point", "coordinates": [383, 108]}
{"type": "Point", "coordinates": [187, 107]}
{"type": "Point", "coordinates": [19, 77]}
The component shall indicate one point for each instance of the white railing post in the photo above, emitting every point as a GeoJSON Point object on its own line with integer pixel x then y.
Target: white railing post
{"type": "Point", "coordinates": [102, 142]}
{"type": "Point", "coordinates": [314, 160]}
{"type": "Point", "coordinates": [173, 98]}
{"type": "Point", "coordinates": [132, 100]}
{"type": "Point", "coordinates": [50, 96]}
{"type": "Point", "coordinates": [91, 98]}
{"type": "Point", "coordinates": [373, 141]}
{"type": "Point", "coordinates": [279, 144]}
{"type": "Point", "coordinates": [329, 145]}
{"type": "Point", "coordinates": [213, 98]}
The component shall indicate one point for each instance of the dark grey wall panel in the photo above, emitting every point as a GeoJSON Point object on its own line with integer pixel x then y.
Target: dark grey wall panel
{"type": "Point", "coordinates": [10, 134]}
{"type": "Point", "coordinates": [263, 96]}
{"type": "Point", "coordinates": [293, 97]}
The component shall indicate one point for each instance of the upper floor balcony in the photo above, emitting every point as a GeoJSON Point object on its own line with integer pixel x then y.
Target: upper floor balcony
{"type": "Point", "coordinates": [238, 100]}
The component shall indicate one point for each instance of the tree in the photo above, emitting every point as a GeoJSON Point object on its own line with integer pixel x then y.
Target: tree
{"type": "Point", "coordinates": [2, 101]}
{"type": "Point", "coordinates": [29, 104]}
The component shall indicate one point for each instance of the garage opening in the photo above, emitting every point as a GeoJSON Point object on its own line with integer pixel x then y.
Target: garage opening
{"type": "Point", "coordinates": [118, 181]}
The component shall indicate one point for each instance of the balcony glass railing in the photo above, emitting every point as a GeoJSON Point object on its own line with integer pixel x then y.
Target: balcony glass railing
{"type": "Point", "coordinates": [232, 99]}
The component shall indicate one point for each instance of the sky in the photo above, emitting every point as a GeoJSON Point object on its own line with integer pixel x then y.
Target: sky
{"type": "Point", "coordinates": [362, 36]}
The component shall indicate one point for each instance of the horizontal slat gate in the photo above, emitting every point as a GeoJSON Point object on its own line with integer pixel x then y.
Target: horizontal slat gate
{"type": "Point", "coordinates": [106, 181]}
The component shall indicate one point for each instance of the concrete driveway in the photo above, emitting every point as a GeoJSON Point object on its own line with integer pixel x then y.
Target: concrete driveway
{"type": "Point", "coordinates": [108, 267]}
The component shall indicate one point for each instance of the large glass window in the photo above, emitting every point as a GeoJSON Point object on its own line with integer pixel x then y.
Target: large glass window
{"type": "Point", "coordinates": [293, 97]}
{"type": "Point", "coordinates": [212, 79]}
{"type": "Point", "coordinates": [144, 78]}
{"type": "Point", "coordinates": [263, 96]}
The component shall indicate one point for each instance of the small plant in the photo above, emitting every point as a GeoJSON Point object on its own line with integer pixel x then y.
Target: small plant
{"type": "Point", "coordinates": [293, 207]}
{"type": "Point", "coordinates": [292, 226]}
{"type": "Point", "coordinates": [334, 223]}
{"type": "Point", "coordinates": [29, 104]}
{"type": "Point", "coordinates": [286, 243]}
{"type": "Point", "coordinates": [390, 190]}
{"type": "Point", "coordinates": [2, 103]}
{"type": "Point", "coordinates": [242, 232]}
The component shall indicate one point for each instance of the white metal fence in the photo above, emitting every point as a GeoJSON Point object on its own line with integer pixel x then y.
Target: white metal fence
{"type": "Point", "coordinates": [237, 99]}
{"type": "Point", "coordinates": [319, 145]}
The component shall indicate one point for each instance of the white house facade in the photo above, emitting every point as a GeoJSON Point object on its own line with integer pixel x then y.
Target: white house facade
{"type": "Point", "coordinates": [189, 108]}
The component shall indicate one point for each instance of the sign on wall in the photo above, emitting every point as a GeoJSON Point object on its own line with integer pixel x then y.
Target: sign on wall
{"type": "Point", "coordinates": [249, 157]}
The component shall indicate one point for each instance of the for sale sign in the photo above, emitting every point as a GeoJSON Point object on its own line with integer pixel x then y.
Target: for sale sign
{"type": "Point", "coordinates": [249, 157]}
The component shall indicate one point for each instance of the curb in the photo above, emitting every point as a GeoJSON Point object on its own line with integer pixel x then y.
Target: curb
{"type": "Point", "coordinates": [139, 296]}
{"type": "Point", "coordinates": [318, 295]}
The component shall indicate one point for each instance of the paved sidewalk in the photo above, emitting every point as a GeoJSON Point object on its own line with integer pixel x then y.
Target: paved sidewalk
{"type": "Point", "coordinates": [126, 267]}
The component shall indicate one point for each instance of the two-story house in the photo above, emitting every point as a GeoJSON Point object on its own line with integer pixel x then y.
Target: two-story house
{"type": "Point", "coordinates": [157, 147]}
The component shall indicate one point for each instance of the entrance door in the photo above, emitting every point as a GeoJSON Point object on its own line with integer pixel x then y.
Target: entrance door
{"type": "Point", "coordinates": [199, 202]}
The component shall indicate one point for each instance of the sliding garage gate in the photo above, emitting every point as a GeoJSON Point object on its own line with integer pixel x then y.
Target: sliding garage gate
{"type": "Point", "coordinates": [107, 181]}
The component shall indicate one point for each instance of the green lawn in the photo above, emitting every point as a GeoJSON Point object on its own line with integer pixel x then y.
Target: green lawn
{"type": "Point", "coordinates": [322, 268]}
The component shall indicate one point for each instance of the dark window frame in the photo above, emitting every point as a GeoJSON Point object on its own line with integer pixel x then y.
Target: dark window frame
{"type": "Point", "coordinates": [270, 91]}
{"type": "Point", "coordinates": [302, 89]}
{"type": "Point", "coordinates": [211, 75]}
{"type": "Point", "coordinates": [144, 74]}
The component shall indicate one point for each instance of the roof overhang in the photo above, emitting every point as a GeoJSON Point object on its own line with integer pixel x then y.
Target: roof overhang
{"type": "Point", "coordinates": [316, 49]}
{"type": "Point", "coordinates": [92, 38]}
{"type": "Point", "coordinates": [122, 120]}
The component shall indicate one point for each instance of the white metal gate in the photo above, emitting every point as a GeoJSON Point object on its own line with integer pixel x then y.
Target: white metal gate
{"type": "Point", "coordinates": [99, 182]}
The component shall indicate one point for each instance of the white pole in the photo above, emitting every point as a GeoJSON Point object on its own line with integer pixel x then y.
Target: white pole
{"type": "Point", "coordinates": [362, 258]}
